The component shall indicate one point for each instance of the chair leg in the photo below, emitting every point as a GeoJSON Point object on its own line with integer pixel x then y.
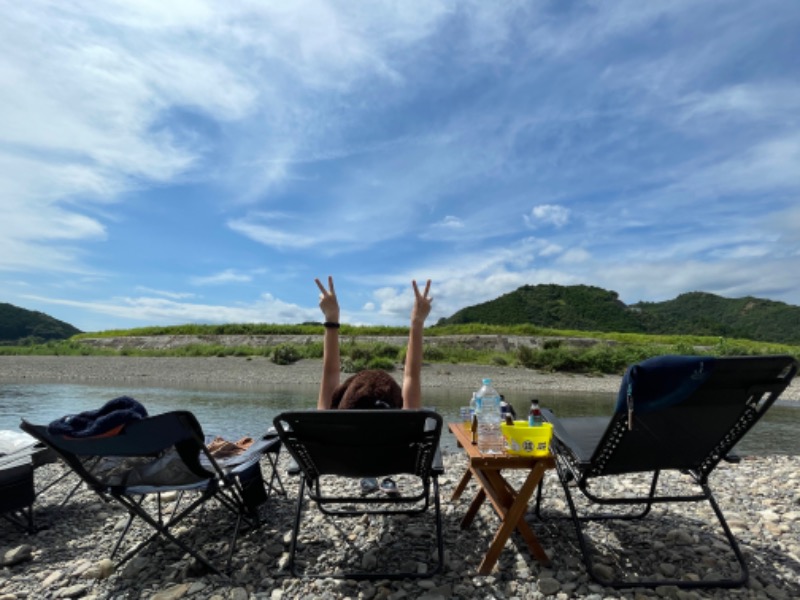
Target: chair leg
{"type": "Point", "coordinates": [272, 457]}
{"type": "Point", "coordinates": [618, 583]}
{"type": "Point", "coordinates": [296, 529]}
{"type": "Point", "coordinates": [360, 575]}
{"type": "Point", "coordinates": [134, 508]}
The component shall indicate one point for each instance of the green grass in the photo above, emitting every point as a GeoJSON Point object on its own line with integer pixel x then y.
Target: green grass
{"type": "Point", "coordinates": [612, 353]}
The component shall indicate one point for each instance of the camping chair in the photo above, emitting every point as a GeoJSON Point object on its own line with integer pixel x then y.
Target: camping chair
{"type": "Point", "coordinates": [359, 444]}
{"type": "Point", "coordinates": [673, 413]}
{"type": "Point", "coordinates": [154, 455]}
{"type": "Point", "coordinates": [17, 491]}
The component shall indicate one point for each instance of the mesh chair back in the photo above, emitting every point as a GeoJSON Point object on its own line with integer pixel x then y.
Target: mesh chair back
{"type": "Point", "coordinates": [361, 443]}
{"type": "Point", "coordinates": [688, 412]}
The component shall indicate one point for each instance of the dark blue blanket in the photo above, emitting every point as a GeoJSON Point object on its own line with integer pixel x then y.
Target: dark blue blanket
{"type": "Point", "coordinates": [662, 381]}
{"type": "Point", "coordinates": [90, 423]}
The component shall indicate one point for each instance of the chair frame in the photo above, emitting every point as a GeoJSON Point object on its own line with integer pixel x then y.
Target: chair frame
{"type": "Point", "coordinates": [386, 442]}
{"type": "Point", "coordinates": [17, 493]}
{"type": "Point", "coordinates": [149, 438]}
{"type": "Point", "coordinates": [761, 380]}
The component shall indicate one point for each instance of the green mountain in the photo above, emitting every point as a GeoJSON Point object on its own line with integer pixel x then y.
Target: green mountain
{"type": "Point", "coordinates": [18, 324]}
{"type": "Point", "coordinates": [588, 308]}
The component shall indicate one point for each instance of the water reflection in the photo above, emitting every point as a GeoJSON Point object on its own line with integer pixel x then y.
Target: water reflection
{"type": "Point", "coordinates": [233, 412]}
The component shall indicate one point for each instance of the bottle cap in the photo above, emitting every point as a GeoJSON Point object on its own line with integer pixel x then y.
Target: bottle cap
{"type": "Point", "coordinates": [487, 381]}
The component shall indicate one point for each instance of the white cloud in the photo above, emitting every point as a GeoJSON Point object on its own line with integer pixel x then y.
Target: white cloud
{"type": "Point", "coordinates": [223, 277]}
{"type": "Point", "coordinates": [574, 255]}
{"type": "Point", "coordinates": [267, 309]}
{"type": "Point", "coordinates": [547, 214]}
{"type": "Point", "coordinates": [165, 293]}
{"type": "Point", "coordinates": [450, 222]}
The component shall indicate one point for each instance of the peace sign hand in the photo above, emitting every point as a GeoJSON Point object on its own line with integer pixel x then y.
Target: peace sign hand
{"type": "Point", "coordinates": [422, 304]}
{"type": "Point", "coordinates": [328, 303]}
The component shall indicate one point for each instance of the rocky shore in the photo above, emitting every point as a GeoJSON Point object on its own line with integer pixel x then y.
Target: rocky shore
{"type": "Point", "coordinates": [69, 556]}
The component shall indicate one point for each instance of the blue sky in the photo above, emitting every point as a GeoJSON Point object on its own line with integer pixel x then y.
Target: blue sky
{"type": "Point", "coordinates": [192, 161]}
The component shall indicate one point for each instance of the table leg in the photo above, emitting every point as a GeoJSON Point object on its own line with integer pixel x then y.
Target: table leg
{"type": "Point", "coordinates": [461, 485]}
{"type": "Point", "coordinates": [511, 509]}
{"type": "Point", "coordinates": [473, 509]}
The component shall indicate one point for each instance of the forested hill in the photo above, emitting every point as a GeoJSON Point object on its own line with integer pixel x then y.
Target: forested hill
{"type": "Point", "coordinates": [18, 324]}
{"type": "Point", "coordinates": [588, 308]}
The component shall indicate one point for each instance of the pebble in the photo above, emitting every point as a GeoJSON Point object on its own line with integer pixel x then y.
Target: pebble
{"type": "Point", "coordinates": [69, 556]}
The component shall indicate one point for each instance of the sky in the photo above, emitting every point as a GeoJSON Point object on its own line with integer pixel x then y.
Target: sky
{"type": "Point", "coordinates": [194, 161]}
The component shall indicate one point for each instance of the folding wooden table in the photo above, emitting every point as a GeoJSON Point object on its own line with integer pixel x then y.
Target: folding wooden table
{"type": "Point", "coordinates": [509, 504]}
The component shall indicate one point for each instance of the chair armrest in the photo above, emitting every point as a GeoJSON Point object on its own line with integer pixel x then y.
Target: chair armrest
{"type": "Point", "coordinates": [437, 466]}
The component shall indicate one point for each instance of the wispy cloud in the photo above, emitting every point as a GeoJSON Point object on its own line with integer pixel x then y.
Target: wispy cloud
{"type": "Point", "coordinates": [222, 278]}
{"type": "Point", "coordinates": [392, 141]}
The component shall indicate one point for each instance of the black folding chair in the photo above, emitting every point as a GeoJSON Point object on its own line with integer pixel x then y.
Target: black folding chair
{"type": "Point", "coordinates": [673, 413]}
{"type": "Point", "coordinates": [358, 444]}
{"type": "Point", "coordinates": [158, 454]}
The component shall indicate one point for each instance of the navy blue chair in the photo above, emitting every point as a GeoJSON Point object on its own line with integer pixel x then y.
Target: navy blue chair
{"type": "Point", "coordinates": [673, 413]}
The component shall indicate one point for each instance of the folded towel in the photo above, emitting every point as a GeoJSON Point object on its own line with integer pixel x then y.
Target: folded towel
{"type": "Point", "coordinates": [108, 419]}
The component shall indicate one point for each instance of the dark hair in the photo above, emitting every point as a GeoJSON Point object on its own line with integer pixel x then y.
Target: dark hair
{"type": "Point", "coordinates": [368, 389]}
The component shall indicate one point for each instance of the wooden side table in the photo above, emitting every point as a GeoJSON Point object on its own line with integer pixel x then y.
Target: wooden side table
{"type": "Point", "coordinates": [509, 504]}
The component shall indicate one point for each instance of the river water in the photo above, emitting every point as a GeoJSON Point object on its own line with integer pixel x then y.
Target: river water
{"type": "Point", "coordinates": [234, 412]}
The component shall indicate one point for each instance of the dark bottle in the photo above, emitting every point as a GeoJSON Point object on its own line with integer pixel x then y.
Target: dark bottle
{"type": "Point", "coordinates": [535, 417]}
{"type": "Point", "coordinates": [474, 428]}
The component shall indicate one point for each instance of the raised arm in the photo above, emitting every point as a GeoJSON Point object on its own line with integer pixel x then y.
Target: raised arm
{"type": "Point", "coordinates": [329, 306]}
{"type": "Point", "coordinates": [412, 375]}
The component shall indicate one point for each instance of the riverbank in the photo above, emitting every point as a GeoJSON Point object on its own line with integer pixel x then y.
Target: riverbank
{"type": "Point", "coordinates": [69, 557]}
{"type": "Point", "coordinates": [259, 371]}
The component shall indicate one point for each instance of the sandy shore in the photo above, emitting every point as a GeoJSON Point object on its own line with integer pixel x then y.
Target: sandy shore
{"type": "Point", "coordinates": [259, 371]}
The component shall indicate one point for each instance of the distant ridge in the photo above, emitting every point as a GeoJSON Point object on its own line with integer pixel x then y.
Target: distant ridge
{"type": "Point", "coordinates": [18, 324]}
{"type": "Point", "coordinates": [589, 308]}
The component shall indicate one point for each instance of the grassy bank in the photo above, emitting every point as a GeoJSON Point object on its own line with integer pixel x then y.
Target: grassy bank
{"type": "Point", "coordinates": [554, 351]}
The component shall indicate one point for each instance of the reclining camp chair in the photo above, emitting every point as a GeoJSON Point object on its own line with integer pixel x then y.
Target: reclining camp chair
{"type": "Point", "coordinates": [158, 454]}
{"type": "Point", "coordinates": [673, 413]}
{"type": "Point", "coordinates": [359, 444]}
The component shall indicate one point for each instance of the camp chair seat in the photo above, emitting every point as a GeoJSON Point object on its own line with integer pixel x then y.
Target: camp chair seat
{"type": "Point", "coordinates": [682, 414]}
{"type": "Point", "coordinates": [152, 456]}
{"type": "Point", "coordinates": [355, 444]}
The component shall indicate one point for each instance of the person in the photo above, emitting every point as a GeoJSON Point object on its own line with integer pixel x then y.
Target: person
{"type": "Point", "coordinates": [371, 388]}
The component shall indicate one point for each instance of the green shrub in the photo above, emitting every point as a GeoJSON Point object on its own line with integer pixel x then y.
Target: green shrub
{"type": "Point", "coordinates": [381, 362]}
{"type": "Point", "coordinates": [285, 354]}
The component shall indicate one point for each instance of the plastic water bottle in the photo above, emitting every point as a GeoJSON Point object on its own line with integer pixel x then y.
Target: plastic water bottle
{"type": "Point", "coordinates": [490, 441]}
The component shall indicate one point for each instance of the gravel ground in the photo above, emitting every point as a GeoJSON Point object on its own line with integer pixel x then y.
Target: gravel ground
{"type": "Point", "coordinates": [69, 556]}
{"type": "Point", "coordinates": [257, 371]}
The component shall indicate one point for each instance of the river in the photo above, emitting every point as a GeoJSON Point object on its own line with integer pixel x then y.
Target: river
{"type": "Point", "coordinates": [233, 412]}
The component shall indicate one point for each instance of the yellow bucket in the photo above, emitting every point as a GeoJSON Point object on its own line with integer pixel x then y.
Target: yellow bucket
{"type": "Point", "coordinates": [523, 440]}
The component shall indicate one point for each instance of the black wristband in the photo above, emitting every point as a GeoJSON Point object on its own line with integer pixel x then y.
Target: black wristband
{"type": "Point", "coordinates": [331, 325]}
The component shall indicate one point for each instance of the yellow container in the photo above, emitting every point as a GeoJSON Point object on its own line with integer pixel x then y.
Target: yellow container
{"type": "Point", "coordinates": [523, 440]}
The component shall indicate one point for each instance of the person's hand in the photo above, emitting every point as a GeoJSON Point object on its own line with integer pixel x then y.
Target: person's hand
{"type": "Point", "coordinates": [422, 304]}
{"type": "Point", "coordinates": [328, 303]}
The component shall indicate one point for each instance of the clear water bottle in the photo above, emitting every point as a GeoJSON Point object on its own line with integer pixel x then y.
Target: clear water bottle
{"type": "Point", "coordinates": [490, 440]}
